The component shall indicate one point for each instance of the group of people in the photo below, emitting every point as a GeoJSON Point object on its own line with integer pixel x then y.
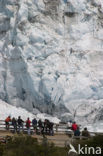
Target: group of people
{"type": "Point", "coordinates": [77, 132]}
{"type": "Point", "coordinates": [18, 125]}
{"type": "Point", "coordinates": [45, 127]}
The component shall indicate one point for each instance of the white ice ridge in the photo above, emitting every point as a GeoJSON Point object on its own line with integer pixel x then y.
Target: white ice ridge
{"type": "Point", "coordinates": [12, 111]}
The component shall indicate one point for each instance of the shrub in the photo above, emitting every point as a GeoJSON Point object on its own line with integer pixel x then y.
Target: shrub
{"type": "Point", "coordinates": [29, 146]}
{"type": "Point", "coordinates": [96, 141]}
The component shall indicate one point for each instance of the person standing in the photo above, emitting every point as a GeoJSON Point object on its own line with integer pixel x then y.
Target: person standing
{"type": "Point", "coordinates": [34, 123]}
{"type": "Point", "coordinates": [74, 126]}
{"type": "Point", "coordinates": [28, 125]}
{"type": "Point", "coordinates": [40, 125]}
{"type": "Point", "coordinates": [7, 122]}
{"type": "Point", "coordinates": [20, 123]}
{"type": "Point", "coordinates": [14, 123]}
{"type": "Point", "coordinates": [69, 124]}
{"type": "Point", "coordinates": [51, 131]}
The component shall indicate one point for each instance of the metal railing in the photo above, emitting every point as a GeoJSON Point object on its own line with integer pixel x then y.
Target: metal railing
{"type": "Point", "coordinates": [57, 128]}
{"type": "Point", "coordinates": [61, 128]}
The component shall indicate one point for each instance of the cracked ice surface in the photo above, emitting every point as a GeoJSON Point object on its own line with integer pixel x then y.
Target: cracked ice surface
{"type": "Point", "coordinates": [51, 56]}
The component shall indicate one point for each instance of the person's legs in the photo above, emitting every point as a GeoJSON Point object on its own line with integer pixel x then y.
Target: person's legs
{"type": "Point", "coordinates": [49, 131]}
{"type": "Point", "coordinates": [35, 129]}
{"type": "Point", "coordinates": [28, 131]}
{"type": "Point", "coordinates": [14, 128]}
{"type": "Point", "coordinates": [22, 128]}
{"type": "Point", "coordinates": [46, 129]}
{"type": "Point", "coordinates": [19, 128]}
{"type": "Point", "coordinates": [40, 130]}
{"type": "Point", "coordinates": [6, 126]}
{"type": "Point", "coordinates": [52, 132]}
{"type": "Point", "coordinates": [43, 130]}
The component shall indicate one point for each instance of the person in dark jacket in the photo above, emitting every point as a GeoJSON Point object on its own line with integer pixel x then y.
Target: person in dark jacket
{"type": "Point", "coordinates": [14, 123]}
{"type": "Point", "coordinates": [40, 125]}
{"type": "Point", "coordinates": [85, 133]}
{"type": "Point", "coordinates": [20, 124]}
{"type": "Point", "coordinates": [51, 131]}
{"type": "Point", "coordinates": [46, 124]}
{"type": "Point", "coordinates": [34, 123]}
{"type": "Point", "coordinates": [77, 132]}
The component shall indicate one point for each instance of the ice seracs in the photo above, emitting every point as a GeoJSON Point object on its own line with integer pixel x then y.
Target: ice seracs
{"type": "Point", "coordinates": [51, 56]}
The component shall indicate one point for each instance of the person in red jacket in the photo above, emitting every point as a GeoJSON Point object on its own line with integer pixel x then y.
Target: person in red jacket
{"type": "Point", "coordinates": [74, 126]}
{"type": "Point", "coordinates": [28, 125]}
{"type": "Point", "coordinates": [7, 122]}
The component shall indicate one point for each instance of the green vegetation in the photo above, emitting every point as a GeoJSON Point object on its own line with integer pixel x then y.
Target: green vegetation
{"type": "Point", "coordinates": [28, 146]}
{"type": "Point", "coordinates": [96, 141]}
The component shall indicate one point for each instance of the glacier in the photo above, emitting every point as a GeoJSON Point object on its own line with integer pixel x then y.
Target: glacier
{"type": "Point", "coordinates": [9, 110]}
{"type": "Point", "coordinates": [51, 57]}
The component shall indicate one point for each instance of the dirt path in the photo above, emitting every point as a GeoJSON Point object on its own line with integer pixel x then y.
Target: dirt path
{"type": "Point", "coordinates": [59, 140]}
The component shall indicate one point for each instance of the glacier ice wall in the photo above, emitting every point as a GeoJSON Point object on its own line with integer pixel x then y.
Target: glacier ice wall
{"type": "Point", "coordinates": [51, 57]}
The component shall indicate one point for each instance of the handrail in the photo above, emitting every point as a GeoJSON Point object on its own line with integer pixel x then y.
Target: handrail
{"type": "Point", "coordinates": [56, 127]}
{"type": "Point", "coordinates": [62, 128]}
